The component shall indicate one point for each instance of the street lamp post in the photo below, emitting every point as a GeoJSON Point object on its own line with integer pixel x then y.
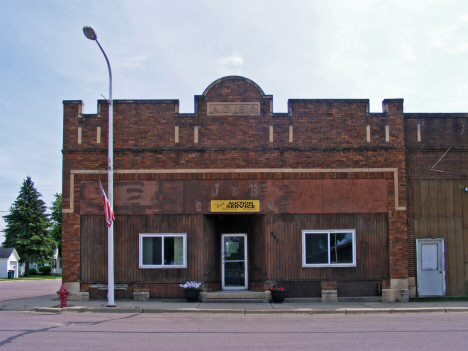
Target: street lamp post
{"type": "Point", "coordinates": [90, 33]}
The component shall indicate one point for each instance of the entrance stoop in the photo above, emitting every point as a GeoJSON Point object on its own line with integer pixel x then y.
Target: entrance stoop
{"type": "Point", "coordinates": [235, 296]}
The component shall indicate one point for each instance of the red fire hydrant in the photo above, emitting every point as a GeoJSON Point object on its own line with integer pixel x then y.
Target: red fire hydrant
{"type": "Point", "coordinates": [63, 292]}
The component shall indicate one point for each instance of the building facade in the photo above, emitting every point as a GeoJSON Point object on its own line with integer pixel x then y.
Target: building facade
{"type": "Point", "coordinates": [437, 194]}
{"type": "Point", "coordinates": [321, 199]}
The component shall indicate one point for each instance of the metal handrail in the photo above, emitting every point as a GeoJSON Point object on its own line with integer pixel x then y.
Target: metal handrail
{"type": "Point", "coordinates": [209, 270]}
{"type": "Point", "coordinates": [258, 269]}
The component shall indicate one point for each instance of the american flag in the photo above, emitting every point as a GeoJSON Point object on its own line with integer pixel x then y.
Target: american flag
{"type": "Point", "coordinates": [108, 213]}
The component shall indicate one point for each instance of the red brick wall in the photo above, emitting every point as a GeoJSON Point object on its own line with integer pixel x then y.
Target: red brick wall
{"type": "Point", "coordinates": [328, 134]}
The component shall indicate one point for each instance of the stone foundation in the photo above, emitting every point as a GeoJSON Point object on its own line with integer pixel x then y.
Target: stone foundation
{"type": "Point", "coordinates": [329, 295]}
{"type": "Point", "coordinates": [141, 295]}
{"type": "Point", "coordinates": [80, 296]}
{"type": "Point", "coordinates": [73, 287]}
{"type": "Point", "coordinates": [398, 292]}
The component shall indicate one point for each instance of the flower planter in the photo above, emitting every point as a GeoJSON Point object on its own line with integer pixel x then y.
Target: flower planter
{"type": "Point", "coordinates": [192, 295]}
{"type": "Point", "coordinates": [278, 295]}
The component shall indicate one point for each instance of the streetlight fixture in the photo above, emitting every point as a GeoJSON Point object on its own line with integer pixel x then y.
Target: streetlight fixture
{"type": "Point", "coordinates": [90, 33]}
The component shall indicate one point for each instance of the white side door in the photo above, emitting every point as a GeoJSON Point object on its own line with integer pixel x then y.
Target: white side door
{"type": "Point", "coordinates": [430, 267]}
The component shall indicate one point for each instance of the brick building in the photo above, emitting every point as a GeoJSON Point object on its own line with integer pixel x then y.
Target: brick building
{"type": "Point", "coordinates": [239, 197]}
{"type": "Point", "coordinates": [437, 195]}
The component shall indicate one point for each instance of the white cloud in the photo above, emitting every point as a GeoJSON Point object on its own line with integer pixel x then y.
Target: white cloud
{"type": "Point", "coordinates": [232, 60]}
{"type": "Point", "coordinates": [461, 47]}
{"type": "Point", "coordinates": [125, 61]}
{"type": "Point", "coordinates": [408, 51]}
{"type": "Point", "coordinates": [442, 36]}
{"type": "Point", "coordinates": [175, 49]}
{"type": "Point", "coordinates": [451, 37]}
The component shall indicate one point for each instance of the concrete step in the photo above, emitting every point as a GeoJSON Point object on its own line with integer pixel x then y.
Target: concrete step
{"type": "Point", "coordinates": [235, 300]}
{"type": "Point", "coordinates": [235, 296]}
{"type": "Point", "coordinates": [360, 299]}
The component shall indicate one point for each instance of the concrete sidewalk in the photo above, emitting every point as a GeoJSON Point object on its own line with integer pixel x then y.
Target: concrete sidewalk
{"type": "Point", "coordinates": [51, 304]}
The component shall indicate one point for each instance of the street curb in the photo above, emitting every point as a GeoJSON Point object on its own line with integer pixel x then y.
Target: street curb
{"type": "Point", "coordinates": [115, 310]}
{"type": "Point", "coordinates": [264, 311]}
{"type": "Point", "coordinates": [79, 309]}
{"type": "Point", "coordinates": [139, 310]}
{"type": "Point", "coordinates": [395, 310]}
{"type": "Point", "coordinates": [46, 309]}
{"type": "Point", "coordinates": [341, 311]}
{"type": "Point", "coordinates": [201, 311]}
{"type": "Point", "coordinates": [456, 309]}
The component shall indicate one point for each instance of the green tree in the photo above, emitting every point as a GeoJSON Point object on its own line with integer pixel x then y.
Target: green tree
{"type": "Point", "coordinates": [56, 217]}
{"type": "Point", "coordinates": [27, 227]}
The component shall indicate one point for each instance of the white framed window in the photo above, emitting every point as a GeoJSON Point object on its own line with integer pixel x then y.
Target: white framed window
{"type": "Point", "coordinates": [163, 250]}
{"type": "Point", "coordinates": [329, 248]}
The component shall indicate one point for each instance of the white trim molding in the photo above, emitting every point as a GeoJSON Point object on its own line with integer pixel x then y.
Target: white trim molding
{"type": "Point", "coordinates": [148, 253]}
{"type": "Point", "coordinates": [324, 257]}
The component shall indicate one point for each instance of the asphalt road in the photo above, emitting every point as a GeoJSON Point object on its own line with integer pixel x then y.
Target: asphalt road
{"type": "Point", "coordinates": [18, 289]}
{"type": "Point", "coordinates": [94, 331]}
{"type": "Point", "coordinates": [21, 330]}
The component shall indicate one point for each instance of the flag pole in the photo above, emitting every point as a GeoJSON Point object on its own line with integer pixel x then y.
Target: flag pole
{"type": "Point", "coordinates": [90, 33]}
{"type": "Point", "coordinates": [110, 190]}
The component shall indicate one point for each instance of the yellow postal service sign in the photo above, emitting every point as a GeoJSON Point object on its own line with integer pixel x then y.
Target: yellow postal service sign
{"type": "Point", "coordinates": [235, 205]}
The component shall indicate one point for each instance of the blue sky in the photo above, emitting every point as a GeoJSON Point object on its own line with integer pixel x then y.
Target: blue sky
{"type": "Point", "coordinates": [416, 50]}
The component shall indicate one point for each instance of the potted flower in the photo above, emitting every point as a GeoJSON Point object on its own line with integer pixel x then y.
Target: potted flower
{"type": "Point", "coordinates": [192, 291]}
{"type": "Point", "coordinates": [278, 293]}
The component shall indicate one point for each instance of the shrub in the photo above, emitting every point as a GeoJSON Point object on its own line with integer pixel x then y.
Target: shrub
{"type": "Point", "coordinates": [45, 270]}
{"type": "Point", "coordinates": [32, 271]}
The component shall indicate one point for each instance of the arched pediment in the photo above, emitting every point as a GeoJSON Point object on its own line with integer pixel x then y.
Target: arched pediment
{"type": "Point", "coordinates": [233, 84]}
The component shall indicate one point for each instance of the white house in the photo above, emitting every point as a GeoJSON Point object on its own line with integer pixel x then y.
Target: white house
{"type": "Point", "coordinates": [56, 264]}
{"type": "Point", "coordinates": [9, 261]}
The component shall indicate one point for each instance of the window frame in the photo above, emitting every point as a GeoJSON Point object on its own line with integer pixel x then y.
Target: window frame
{"type": "Point", "coordinates": [328, 232]}
{"type": "Point", "coordinates": [162, 236]}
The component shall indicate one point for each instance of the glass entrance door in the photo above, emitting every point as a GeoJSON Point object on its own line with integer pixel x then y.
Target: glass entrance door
{"type": "Point", "coordinates": [234, 261]}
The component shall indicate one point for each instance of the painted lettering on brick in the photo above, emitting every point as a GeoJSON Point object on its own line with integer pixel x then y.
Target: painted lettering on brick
{"type": "Point", "coordinates": [233, 108]}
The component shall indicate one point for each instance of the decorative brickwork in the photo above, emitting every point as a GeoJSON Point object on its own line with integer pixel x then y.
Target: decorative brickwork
{"type": "Point", "coordinates": [333, 139]}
